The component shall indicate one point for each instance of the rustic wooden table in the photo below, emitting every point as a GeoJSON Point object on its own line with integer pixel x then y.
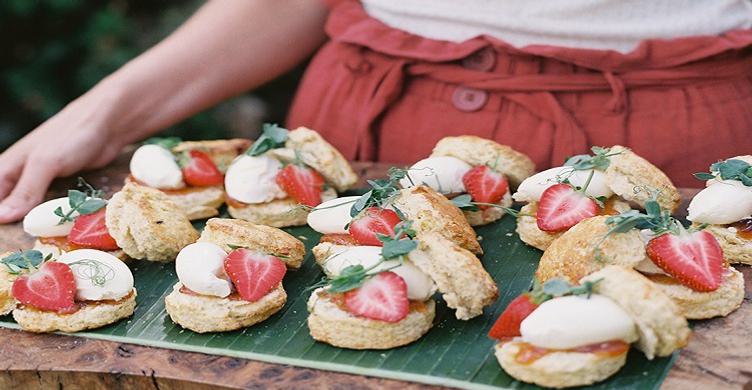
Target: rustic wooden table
{"type": "Point", "coordinates": [718, 357]}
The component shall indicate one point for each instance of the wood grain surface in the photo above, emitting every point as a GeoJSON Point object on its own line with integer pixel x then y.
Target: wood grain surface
{"type": "Point", "coordinates": [718, 357]}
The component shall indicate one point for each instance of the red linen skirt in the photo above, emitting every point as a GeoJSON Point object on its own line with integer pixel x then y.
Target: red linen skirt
{"type": "Point", "coordinates": [378, 93]}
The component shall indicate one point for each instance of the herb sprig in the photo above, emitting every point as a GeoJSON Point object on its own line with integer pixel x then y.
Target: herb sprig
{"type": "Point", "coordinates": [382, 192]}
{"type": "Point", "coordinates": [558, 287]}
{"type": "Point", "coordinates": [272, 137]}
{"type": "Point", "coordinates": [732, 169]}
{"type": "Point", "coordinates": [600, 160]}
{"type": "Point", "coordinates": [24, 260]}
{"type": "Point", "coordinates": [88, 201]}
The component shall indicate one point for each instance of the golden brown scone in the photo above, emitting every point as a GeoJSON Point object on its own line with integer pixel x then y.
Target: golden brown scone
{"type": "Point", "coordinates": [225, 232]}
{"type": "Point", "coordinates": [491, 214]}
{"type": "Point", "coordinates": [7, 302]}
{"type": "Point", "coordinates": [736, 250]}
{"type": "Point", "coordinates": [277, 213]}
{"type": "Point", "coordinates": [660, 324]}
{"type": "Point", "coordinates": [90, 316]}
{"type": "Point", "coordinates": [55, 251]}
{"type": "Point", "coordinates": [459, 275]}
{"type": "Point", "coordinates": [330, 324]}
{"type": "Point", "coordinates": [320, 155]}
{"type": "Point", "coordinates": [480, 151]}
{"type": "Point", "coordinates": [147, 225]}
{"type": "Point", "coordinates": [221, 151]}
{"type": "Point", "coordinates": [527, 228]}
{"type": "Point", "coordinates": [636, 179]}
{"type": "Point", "coordinates": [201, 313]}
{"type": "Point", "coordinates": [194, 202]}
{"type": "Point", "coordinates": [697, 305]}
{"type": "Point", "coordinates": [527, 225]}
{"type": "Point", "coordinates": [432, 212]}
{"type": "Point", "coordinates": [559, 369]}
{"type": "Point", "coordinates": [573, 255]}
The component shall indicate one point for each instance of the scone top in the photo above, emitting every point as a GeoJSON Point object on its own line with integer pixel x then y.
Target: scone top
{"type": "Point", "coordinates": [299, 164]}
{"type": "Point", "coordinates": [61, 285]}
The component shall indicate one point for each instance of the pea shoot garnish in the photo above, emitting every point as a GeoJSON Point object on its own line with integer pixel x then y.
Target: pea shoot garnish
{"type": "Point", "coordinates": [732, 169]}
{"type": "Point", "coordinates": [272, 137]}
{"type": "Point", "coordinates": [88, 201]}
{"type": "Point", "coordinates": [24, 260]}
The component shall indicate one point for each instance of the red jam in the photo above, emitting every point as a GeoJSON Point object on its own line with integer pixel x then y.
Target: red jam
{"type": "Point", "coordinates": [339, 239]}
{"type": "Point", "coordinates": [82, 304]}
{"type": "Point", "coordinates": [233, 297]}
{"type": "Point", "coordinates": [743, 228]}
{"type": "Point", "coordinates": [529, 353]}
{"type": "Point", "coordinates": [609, 207]}
{"type": "Point", "coordinates": [61, 243]}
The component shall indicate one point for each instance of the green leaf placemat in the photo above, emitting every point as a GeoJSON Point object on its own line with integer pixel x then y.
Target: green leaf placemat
{"type": "Point", "coordinates": [453, 353]}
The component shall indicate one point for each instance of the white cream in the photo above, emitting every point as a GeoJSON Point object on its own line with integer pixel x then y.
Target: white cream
{"type": "Point", "coordinates": [253, 179]}
{"type": "Point", "coordinates": [443, 174]}
{"type": "Point", "coordinates": [419, 286]}
{"type": "Point", "coordinates": [647, 266]}
{"type": "Point", "coordinates": [531, 189]}
{"type": "Point", "coordinates": [200, 267]}
{"type": "Point", "coordinates": [724, 202]}
{"type": "Point", "coordinates": [99, 275]}
{"type": "Point", "coordinates": [156, 167]}
{"type": "Point", "coordinates": [41, 221]}
{"type": "Point", "coordinates": [332, 216]}
{"type": "Point", "coordinates": [576, 321]}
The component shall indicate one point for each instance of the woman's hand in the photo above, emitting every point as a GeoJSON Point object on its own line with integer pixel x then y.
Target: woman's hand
{"type": "Point", "coordinates": [227, 47]}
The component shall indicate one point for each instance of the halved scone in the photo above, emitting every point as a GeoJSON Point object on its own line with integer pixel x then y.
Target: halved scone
{"type": "Point", "coordinates": [701, 305]}
{"type": "Point", "coordinates": [277, 213]}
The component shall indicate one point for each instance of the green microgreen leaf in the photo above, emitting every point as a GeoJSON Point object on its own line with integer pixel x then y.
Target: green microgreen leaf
{"type": "Point", "coordinates": [396, 248]}
{"type": "Point", "coordinates": [165, 142]}
{"type": "Point", "coordinates": [26, 260]}
{"type": "Point", "coordinates": [464, 202]}
{"type": "Point", "coordinates": [557, 287]}
{"type": "Point", "coordinates": [732, 169]}
{"type": "Point", "coordinates": [88, 201]}
{"type": "Point", "coordinates": [272, 137]}
{"type": "Point", "coordinates": [704, 176]}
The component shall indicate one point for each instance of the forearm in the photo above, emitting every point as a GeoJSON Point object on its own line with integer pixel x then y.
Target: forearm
{"type": "Point", "coordinates": [227, 47]}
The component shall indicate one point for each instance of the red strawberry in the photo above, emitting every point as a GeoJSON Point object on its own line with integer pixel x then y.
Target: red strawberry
{"type": "Point", "coordinates": [90, 231]}
{"type": "Point", "coordinates": [383, 298]}
{"type": "Point", "coordinates": [694, 259]}
{"type": "Point", "coordinates": [561, 207]}
{"type": "Point", "coordinates": [485, 185]}
{"type": "Point", "coordinates": [302, 183]}
{"type": "Point", "coordinates": [52, 288]}
{"type": "Point", "coordinates": [373, 220]}
{"type": "Point", "coordinates": [508, 323]}
{"type": "Point", "coordinates": [254, 274]}
{"type": "Point", "coordinates": [200, 171]}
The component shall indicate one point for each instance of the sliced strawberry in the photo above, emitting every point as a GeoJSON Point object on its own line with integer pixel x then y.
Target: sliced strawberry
{"type": "Point", "coordinates": [90, 231]}
{"type": "Point", "coordinates": [302, 184]}
{"type": "Point", "coordinates": [508, 323]}
{"type": "Point", "coordinates": [561, 207]}
{"type": "Point", "coordinates": [254, 274]}
{"type": "Point", "coordinates": [52, 287]}
{"type": "Point", "coordinates": [383, 298]}
{"type": "Point", "coordinates": [372, 221]}
{"type": "Point", "coordinates": [485, 185]}
{"type": "Point", "coordinates": [200, 171]}
{"type": "Point", "coordinates": [694, 259]}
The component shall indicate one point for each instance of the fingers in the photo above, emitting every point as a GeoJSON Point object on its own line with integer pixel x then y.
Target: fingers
{"type": "Point", "coordinates": [28, 191]}
{"type": "Point", "coordinates": [11, 164]}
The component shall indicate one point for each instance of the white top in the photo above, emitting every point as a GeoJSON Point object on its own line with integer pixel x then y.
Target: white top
{"type": "Point", "coordinates": [595, 24]}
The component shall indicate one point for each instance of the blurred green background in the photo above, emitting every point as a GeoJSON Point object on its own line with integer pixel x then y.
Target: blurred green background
{"type": "Point", "coordinates": [54, 50]}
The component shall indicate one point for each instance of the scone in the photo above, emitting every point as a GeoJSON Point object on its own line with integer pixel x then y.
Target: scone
{"type": "Point", "coordinates": [687, 264]}
{"type": "Point", "coordinates": [83, 289]}
{"type": "Point", "coordinates": [147, 225]}
{"type": "Point", "coordinates": [283, 175]}
{"type": "Point", "coordinates": [605, 183]}
{"type": "Point", "coordinates": [76, 221]}
{"type": "Point", "coordinates": [725, 206]}
{"type": "Point", "coordinates": [478, 172]}
{"type": "Point", "coordinates": [230, 234]}
{"type": "Point", "coordinates": [7, 302]}
{"type": "Point", "coordinates": [561, 335]}
{"type": "Point", "coordinates": [425, 209]}
{"type": "Point", "coordinates": [232, 277]}
{"type": "Point", "coordinates": [189, 173]}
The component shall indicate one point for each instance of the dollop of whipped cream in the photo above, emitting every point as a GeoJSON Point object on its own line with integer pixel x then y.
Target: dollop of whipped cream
{"type": "Point", "coordinates": [647, 266]}
{"type": "Point", "coordinates": [531, 189]}
{"type": "Point", "coordinates": [99, 275]}
{"type": "Point", "coordinates": [576, 321]}
{"type": "Point", "coordinates": [41, 221]}
{"type": "Point", "coordinates": [721, 203]}
{"type": "Point", "coordinates": [201, 268]}
{"type": "Point", "coordinates": [253, 179]}
{"type": "Point", "coordinates": [332, 216]}
{"type": "Point", "coordinates": [443, 174]}
{"type": "Point", "coordinates": [156, 167]}
{"type": "Point", "coordinates": [420, 287]}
